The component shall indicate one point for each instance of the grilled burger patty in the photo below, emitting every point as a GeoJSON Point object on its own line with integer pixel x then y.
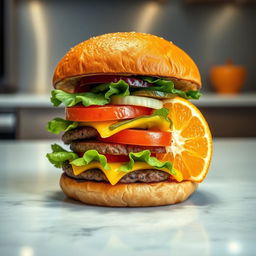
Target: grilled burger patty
{"type": "Point", "coordinates": [136, 176]}
{"type": "Point", "coordinates": [83, 132]}
{"type": "Point", "coordinates": [112, 148]}
{"type": "Point", "coordinates": [78, 138]}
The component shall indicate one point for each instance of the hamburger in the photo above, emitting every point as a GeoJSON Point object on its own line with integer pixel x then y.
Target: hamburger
{"type": "Point", "coordinates": [135, 139]}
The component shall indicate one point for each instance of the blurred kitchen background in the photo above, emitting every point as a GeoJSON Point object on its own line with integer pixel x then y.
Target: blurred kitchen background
{"type": "Point", "coordinates": [35, 34]}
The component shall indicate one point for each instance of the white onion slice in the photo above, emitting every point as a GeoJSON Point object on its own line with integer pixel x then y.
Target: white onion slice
{"type": "Point", "coordinates": [137, 101]}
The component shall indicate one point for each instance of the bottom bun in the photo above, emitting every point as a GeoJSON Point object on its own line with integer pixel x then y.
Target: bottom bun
{"type": "Point", "coordinates": [127, 195]}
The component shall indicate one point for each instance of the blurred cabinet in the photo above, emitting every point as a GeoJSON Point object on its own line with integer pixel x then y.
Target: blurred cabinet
{"type": "Point", "coordinates": [32, 122]}
{"type": "Point", "coordinates": [7, 124]}
{"type": "Point", "coordinates": [231, 121]}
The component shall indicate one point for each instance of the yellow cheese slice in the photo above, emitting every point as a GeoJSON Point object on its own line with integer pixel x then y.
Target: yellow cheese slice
{"type": "Point", "coordinates": [145, 123]}
{"type": "Point", "coordinates": [114, 176]}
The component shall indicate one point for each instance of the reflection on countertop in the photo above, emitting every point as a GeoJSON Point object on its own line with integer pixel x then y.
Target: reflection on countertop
{"type": "Point", "coordinates": [37, 219]}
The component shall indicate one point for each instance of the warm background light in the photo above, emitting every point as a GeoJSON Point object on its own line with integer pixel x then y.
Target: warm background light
{"type": "Point", "coordinates": [41, 44]}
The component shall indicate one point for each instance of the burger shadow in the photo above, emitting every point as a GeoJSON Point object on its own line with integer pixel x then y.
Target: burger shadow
{"type": "Point", "coordinates": [200, 199]}
{"type": "Point", "coordinates": [204, 198]}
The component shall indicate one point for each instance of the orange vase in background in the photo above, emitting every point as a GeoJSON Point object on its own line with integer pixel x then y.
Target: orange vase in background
{"type": "Point", "coordinates": [228, 78]}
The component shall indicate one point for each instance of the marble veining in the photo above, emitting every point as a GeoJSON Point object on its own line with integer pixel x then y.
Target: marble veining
{"type": "Point", "coordinates": [37, 219]}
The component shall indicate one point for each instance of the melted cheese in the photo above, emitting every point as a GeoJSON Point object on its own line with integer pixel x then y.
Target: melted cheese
{"type": "Point", "coordinates": [114, 176]}
{"type": "Point", "coordinates": [104, 130]}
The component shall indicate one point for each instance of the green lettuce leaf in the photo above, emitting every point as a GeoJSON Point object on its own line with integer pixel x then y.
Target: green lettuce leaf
{"type": "Point", "coordinates": [60, 155]}
{"type": "Point", "coordinates": [164, 85]}
{"type": "Point", "coordinates": [100, 95]}
{"type": "Point", "coordinates": [121, 88]}
{"type": "Point", "coordinates": [91, 156]}
{"type": "Point", "coordinates": [58, 125]}
{"type": "Point", "coordinates": [144, 156]}
{"type": "Point", "coordinates": [72, 99]}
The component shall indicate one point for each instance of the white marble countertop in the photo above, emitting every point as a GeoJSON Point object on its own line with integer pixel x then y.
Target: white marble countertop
{"type": "Point", "coordinates": [37, 219]}
{"type": "Point", "coordinates": [207, 100]}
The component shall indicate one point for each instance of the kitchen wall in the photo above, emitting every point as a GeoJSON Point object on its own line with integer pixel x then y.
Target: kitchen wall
{"type": "Point", "coordinates": [44, 30]}
{"type": "Point", "coordinates": [209, 33]}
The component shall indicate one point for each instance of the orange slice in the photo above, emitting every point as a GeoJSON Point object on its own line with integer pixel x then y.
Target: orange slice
{"type": "Point", "coordinates": [191, 148]}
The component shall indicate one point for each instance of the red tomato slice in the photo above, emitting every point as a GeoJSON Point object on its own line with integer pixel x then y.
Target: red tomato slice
{"type": "Point", "coordinates": [140, 138]}
{"type": "Point", "coordinates": [116, 158]}
{"type": "Point", "coordinates": [105, 113]}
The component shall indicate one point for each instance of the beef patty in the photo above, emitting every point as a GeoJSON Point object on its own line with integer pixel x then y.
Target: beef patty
{"type": "Point", "coordinates": [145, 176]}
{"type": "Point", "coordinates": [83, 132]}
{"type": "Point", "coordinates": [112, 148]}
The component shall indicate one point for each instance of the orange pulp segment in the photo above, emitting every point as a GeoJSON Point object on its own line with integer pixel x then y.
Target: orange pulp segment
{"type": "Point", "coordinates": [191, 148]}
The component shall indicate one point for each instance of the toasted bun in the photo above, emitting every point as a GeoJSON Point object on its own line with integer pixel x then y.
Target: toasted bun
{"type": "Point", "coordinates": [127, 195]}
{"type": "Point", "coordinates": [127, 53]}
